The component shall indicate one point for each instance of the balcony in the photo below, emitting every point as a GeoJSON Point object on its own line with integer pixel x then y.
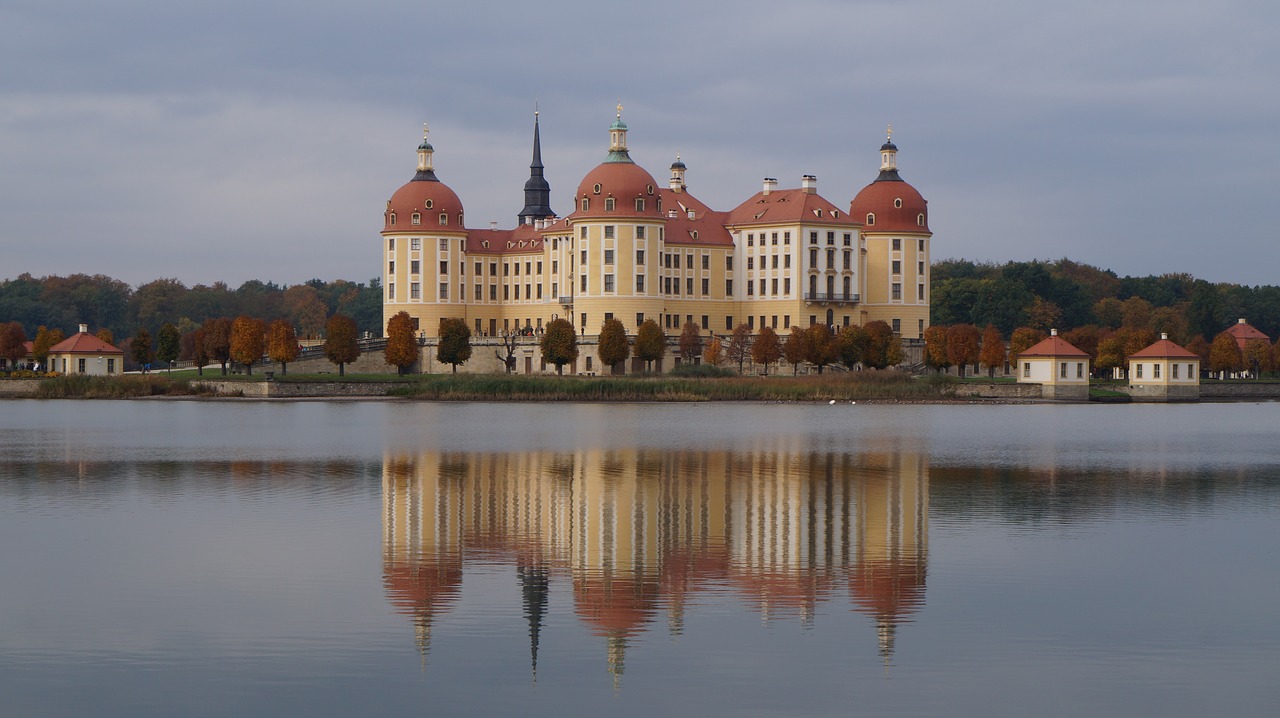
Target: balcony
{"type": "Point", "coordinates": [832, 297]}
{"type": "Point", "coordinates": [566, 301]}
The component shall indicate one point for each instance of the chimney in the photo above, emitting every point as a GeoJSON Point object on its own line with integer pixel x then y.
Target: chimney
{"type": "Point", "coordinates": [84, 328]}
{"type": "Point", "coordinates": [770, 184]}
{"type": "Point", "coordinates": [1242, 321]}
{"type": "Point", "coordinates": [493, 225]}
{"type": "Point", "coordinates": [1164, 335]}
{"type": "Point", "coordinates": [809, 184]}
{"type": "Point", "coordinates": [1053, 332]}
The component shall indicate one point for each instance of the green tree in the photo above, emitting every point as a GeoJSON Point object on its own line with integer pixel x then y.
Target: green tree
{"type": "Point", "coordinates": [739, 348]}
{"type": "Point", "coordinates": [935, 347]}
{"type": "Point", "coordinates": [341, 344]}
{"type": "Point", "coordinates": [455, 342]}
{"type": "Point", "coordinates": [851, 345]}
{"type": "Point", "coordinates": [766, 349]}
{"type": "Point", "coordinates": [282, 344]}
{"type": "Point", "coordinates": [690, 342]}
{"type": "Point", "coordinates": [559, 344]}
{"type": "Point", "coordinates": [402, 347]}
{"type": "Point", "coordinates": [651, 344]}
{"type": "Point", "coordinates": [613, 348]}
{"type": "Point", "coordinates": [140, 349]}
{"type": "Point", "coordinates": [248, 341]}
{"type": "Point", "coordinates": [1109, 312]}
{"type": "Point", "coordinates": [168, 344]}
{"type": "Point", "coordinates": [993, 352]}
{"type": "Point", "coordinates": [964, 346]}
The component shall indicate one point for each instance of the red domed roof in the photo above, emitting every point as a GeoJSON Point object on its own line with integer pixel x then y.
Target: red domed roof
{"type": "Point", "coordinates": [428, 197]}
{"type": "Point", "coordinates": [897, 207]}
{"type": "Point", "coordinates": [624, 182]}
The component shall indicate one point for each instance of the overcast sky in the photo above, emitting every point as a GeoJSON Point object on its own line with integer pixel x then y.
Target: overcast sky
{"type": "Point", "coordinates": [261, 139]}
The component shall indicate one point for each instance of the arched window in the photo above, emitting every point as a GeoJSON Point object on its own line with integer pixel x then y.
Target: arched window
{"type": "Point", "coordinates": [586, 204]}
{"type": "Point", "coordinates": [871, 219]}
{"type": "Point", "coordinates": [416, 219]}
{"type": "Point", "coordinates": [639, 204]}
{"type": "Point", "coordinates": [444, 219]}
{"type": "Point", "coordinates": [920, 219]}
{"type": "Point", "coordinates": [392, 219]}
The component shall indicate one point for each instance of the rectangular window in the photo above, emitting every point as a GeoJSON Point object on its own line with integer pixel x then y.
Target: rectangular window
{"type": "Point", "coordinates": [897, 244]}
{"type": "Point", "coordinates": [444, 290]}
{"type": "Point", "coordinates": [751, 288]}
{"type": "Point", "coordinates": [639, 283]}
{"type": "Point", "coordinates": [813, 238]}
{"type": "Point", "coordinates": [639, 318]}
{"type": "Point", "coordinates": [786, 287]}
{"type": "Point", "coordinates": [111, 366]}
{"type": "Point", "coordinates": [786, 238]}
{"type": "Point", "coordinates": [639, 257]}
{"type": "Point", "coordinates": [897, 291]}
{"type": "Point", "coordinates": [444, 219]}
{"type": "Point", "coordinates": [479, 269]}
{"type": "Point", "coordinates": [786, 321]}
{"type": "Point", "coordinates": [444, 267]}
{"type": "Point", "coordinates": [751, 322]}
{"type": "Point", "coordinates": [582, 231]}
{"type": "Point", "coordinates": [1175, 370]}
{"type": "Point", "coordinates": [773, 322]}
{"type": "Point", "coordinates": [848, 239]}
{"type": "Point", "coordinates": [920, 245]}
{"type": "Point", "coordinates": [706, 286]}
{"type": "Point", "coordinates": [608, 256]}
{"type": "Point", "coordinates": [813, 259]}
{"type": "Point", "coordinates": [555, 289]}
{"type": "Point", "coordinates": [706, 261]}
{"type": "Point", "coordinates": [688, 286]}
{"type": "Point", "coordinates": [640, 231]}
{"type": "Point", "coordinates": [897, 267]}
{"type": "Point", "coordinates": [706, 322]}
{"type": "Point", "coordinates": [1080, 370]}
{"type": "Point", "coordinates": [584, 257]}
{"type": "Point", "coordinates": [81, 364]}
{"type": "Point", "coordinates": [848, 260]}
{"type": "Point", "coordinates": [786, 262]}
{"type": "Point", "coordinates": [539, 267]}
{"type": "Point", "coordinates": [1026, 369]}
{"type": "Point", "coordinates": [775, 261]}
{"type": "Point", "coordinates": [506, 292]}
{"type": "Point", "coordinates": [493, 292]}
{"type": "Point", "coordinates": [608, 204]}
{"type": "Point", "coordinates": [897, 326]}
{"type": "Point", "coordinates": [391, 244]}
{"type": "Point", "coordinates": [1137, 370]}
{"type": "Point", "coordinates": [639, 204]}
{"type": "Point", "coordinates": [479, 292]}
{"type": "Point", "coordinates": [920, 268]}
{"type": "Point", "coordinates": [608, 282]}
{"type": "Point", "coordinates": [728, 324]}
{"type": "Point", "coordinates": [751, 262]}
{"type": "Point", "coordinates": [415, 244]}
{"type": "Point", "coordinates": [751, 240]}
{"type": "Point", "coordinates": [506, 269]}
{"type": "Point", "coordinates": [493, 269]}
{"type": "Point", "coordinates": [728, 288]}
{"type": "Point", "coordinates": [584, 284]}
{"type": "Point", "coordinates": [831, 239]}
{"type": "Point", "coordinates": [415, 291]}
{"type": "Point", "coordinates": [920, 292]}
{"type": "Point", "coordinates": [728, 263]}
{"type": "Point", "coordinates": [608, 231]}
{"type": "Point", "coordinates": [774, 287]}
{"type": "Point", "coordinates": [688, 261]}
{"type": "Point", "coordinates": [1155, 371]}
{"type": "Point", "coordinates": [444, 245]}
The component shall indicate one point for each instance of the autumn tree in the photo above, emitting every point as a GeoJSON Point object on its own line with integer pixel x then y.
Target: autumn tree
{"type": "Point", "coordinates": [1171, 321]}
{"type": "Point", "coordinates": [613, 348]}
{"type": "Point", "coordinates": [402, 347]}
{"type": "Point", "coordinates": [1022, 339]}
{"type": "Point", "coordinates": [739, 347]}
{"type": "Point", "coordinates": [1085, 339]}
{"type": "Point", "coordinates": [993, 352]}
{"type": "Point", "coordinates": [1043, 314]}
{"type": "Point", "coordinates": [650, 343]}
{"type": "Point", "coordinates": [45, 340]}
{"type": "Point", "coordinates": [884, 348]}
{"type": "Point", "coordinates": [1200, 347]}
{"type": "Point", "coordinates": [690, 342]}
{"type": "Point", "coordinates": [304, 307]}
{"type": "Point", "coordinates": [140, 349]}
{"type": "Point", "coordinates": [217, 341]}
{"type": "Point", "coordinates": [766, 349]}
{"type": "Point", "coordinates": [455, 342]}
{"type": "Point", "coordinates": [248, 341]}
{"type": "Point", "coordinates": [559, 344]}
{"type": "Point", "coordinates": [1110, 352]}
{"type": "Point", "coordinates": [964, 346]}
{"type": "Point", "coordinates": [793, 349]}
{"type": "Point", "coordinates": [1257, 356]}
{"type": "Point", "coordinates": [714, 353]}
{"type": "Point", "coordinates": [1136, 313]}
{"type": "Point", "coordinates": [105, 335]}
{"type": "Point", "coordinates": [282, 343]}
{"type": "Point", "coordinates": [12, 343]}
{"type": "Point", "coordinates": [851, 345]}
{"type": "Point", "coordinates": [168, 344]}
{"type": "Point", "coordinates": [1225, 354]}
{"type": "Point", "coordinates": [820, 346]}
{"type": "Point", "coordinates": [193, 348]}
{"type": "Point", "coordinates": [935, 347]}
{"type": "Point", "coordinates": [1109, 312]}
{"type": "Point", "coordinates": [341, 342]}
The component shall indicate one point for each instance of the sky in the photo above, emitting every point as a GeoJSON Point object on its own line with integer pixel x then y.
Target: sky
{"type": "Point", "coordinates": [261, 139]}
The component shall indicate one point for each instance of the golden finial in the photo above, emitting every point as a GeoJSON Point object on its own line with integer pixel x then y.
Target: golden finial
{"type": "Point", "coordinates": [619, 109]}
{"type": "Point", "coordinates": [891, 132]}
{"type": "Point", "coordinates": [535, 108]}
{"type": "Point", "coordinates": [425, 130]}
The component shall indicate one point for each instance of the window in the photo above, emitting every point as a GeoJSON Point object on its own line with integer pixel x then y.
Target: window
{"type": "Point", "coordinates": [608, 204]}
{"type": "Point", "coordinates": [774, 287]}
{"type": "Point", "coordinates": [706, 286]}
{"type": "Point", "coordinates": [584, 284]}
{"type": "Point", "coordinates": [555, 266]}
{"type": "Point", "coordinates": [897, 326]}
{"type": "Point", "coordinates": [920, 268]}
{"type": "Point", "coordinates": [415, 244]}
{"type": "Point", "coordinates": [813, 259]}
{"type": "Point", "coordinates": [506, 269]}
{"type": "Point", "coordinates": [584, 257]}
{"type": "Point", "coordinates": [1080, 370]}
{"type": "Point", "coordinates": [786, 287]}
{"type": "Point", "coordinates": [813, 238]}
{"type": "Point", "coordinates": [706, 261]}
{"type": "Point", "coordinates": [920, 219]}
{"type": "Point", "coordinates": [506, 292]}
{"type": "Point", "coordinates": [608, 282]}
{"type": "Point", "coordinates": [831, 239]}
{"type": "Point", "coordinates": [688, 286]}
{"type": "Point", "coordinates": [897, 244]}
{"type": "Point", "coordinates": [639, 282]}
{"type": "Point", "coordinates": [751, 288]}
{"type": "Point", "coordinates": [897, 266]}
{"type": "Point", "coordinates": [391, 290]}
{"type": "Point", "coordinates": [728, 263]}
{"type": "Point", "coordinates": [1026, 369]}
{"type": "Point", "coordinates": [848, 259]}
{"type": "Point", "coordinates": [920, 244]}
{"type": "Point", "coordinates": [728, 323]}
{"type": "Point", "coordinates": [444, 219]}
{"type": "Point", "coordinates": [493, 292]}
{"type": "Point", "coordinates": [688, 261]}
{"type": "Point", "coordinates": [111, 366]}
{"type": "Point", "coordinates": [848, 239]}
{"type": "Point", "coordinates": [1137, 368]}
{"type": "Point", "coordinates": [640, 231]}
{"type": "Point", "coordinates": [444, 290]}
{"type": "Point", "coordinates": [608, 256]}
{"type": "Point", "coordinates": [539, 268]}
{"type": "Point", "coordinates": [1175, 370]}
{"type": "Point", "coordinates": [444, 245]}
{"type": "Point", "coordinates": [639, 318]}
{"type": "Point", "coordinates": [415, 218]}
{"type": "Point", "coordinates": [586, 205]}
{"type": "Point", "coordinates": [1155, 371]}
{"type": "Point", "coordinates": [751, 240]}
{"type": "Point", "coordinates": [391, 267]}
{"type": "Point", "coordinates": [639, 204]}
{"type": "Point", "coordinates": [479, 292]}
{"type": "Point", "coordinates": [444, 267]}
{"type": "Point", "coordinates": [1062, 370]}
{"type": "Point", "coordinates": [479, 269]}
{"type": "Point", "coordinates": [392, 223]}
{"type": "Point", "coordinates": [639, 257]}
{"type": "Point", "coordinates": [786, 321]}
{"type": "Point", "coordinates": [596, 190]}
{"type": "Point", "coordinates": [774, 238]}
{"type": "Point", "coordinates": [728, 287]}
{"type": "Point", "coordinates": [920, 292]}
{"type": "Point", "coordinates": [775, 261]}
{"type": "Point", "coordinates": [391, 243]}
{"type": "Point", "coordinates": [897, 202]}
{"type": "Point", "coordinates": [555, 289]}
{"type": "Point", "coordinates": [751, 320]}
{"type": "Point", "coordinates": [429, 204]}
{"type": "Point", "coordinates": [81, 364]}
{"type": "Point", "coordinates": [751, 262]}
{"type": "Point", "coordinates": [415, 290]}
{"type": "Point", "coordinates": [831, 259]}
{"type": "Point", "coordinates": [871, 219]}
{"type": "Point", "coordinates": [897, 291]}
{"type": "Point", "coordinates": [608, 231]}
{"type": "Point", "coordinates": [786, 238]}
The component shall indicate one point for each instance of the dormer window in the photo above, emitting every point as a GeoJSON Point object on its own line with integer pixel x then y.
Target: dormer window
{"type": "Point", "coordinates": [920, 219]}
{"type": "Point", "coordinates": [871, 218]}
{"type": "Point", "coordinates": [897, 203]}
{"type": "Point", "coordinates": [608, 204]}
{"type": "Point", "coordinates": [417, 218]}
{"type": "Point", "coordinates": [586, 204]}
{"type": "Point", "coordinates": [444, 219]}
{"type": "Point", "coordinates": [649, 189]}
{"type": "Point", "coordinates": [459, 219]}
{"type": "Point", "coordinates": [596, 189]}
{"type": "Point", "coordinates": [430, 203]}
{"type": "Point", "coordinates": [392, 219]}
{"type": "Point", "coordinates": [639, 204]}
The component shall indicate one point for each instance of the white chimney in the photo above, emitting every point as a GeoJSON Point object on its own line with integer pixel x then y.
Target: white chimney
{"type": "Point", "coordinates": [809, 184]}
{"type": "Point", "coordinates": [770, 184]}
{"type": "Point", "coordinates": [1242, 321]}
{"type": "Point", "coordinates": [1164, 335]}
{"type": "Point", "coordinates": [84, 328]}
{"type": "Point", "coordinates": [493, 225]}
{"type": "Point", "coordinates": [1053, 332]}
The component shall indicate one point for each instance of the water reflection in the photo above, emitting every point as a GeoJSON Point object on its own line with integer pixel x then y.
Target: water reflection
{"type": "Point", "coordinates": [643, 532]}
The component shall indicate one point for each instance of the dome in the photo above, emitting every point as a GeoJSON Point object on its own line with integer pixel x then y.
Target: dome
{"type": "Point", "coordinates": [897, 207]}
{"type": "Point", "coordinates": [624, 182]}
{"type": "Point", "coordinates": [429, 198]}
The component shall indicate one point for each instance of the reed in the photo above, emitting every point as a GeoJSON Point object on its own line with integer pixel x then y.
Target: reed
{"type": "Point", "coordinates": [80, 386]}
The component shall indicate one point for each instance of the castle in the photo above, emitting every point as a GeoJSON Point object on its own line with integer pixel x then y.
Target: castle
{"type": "Point", "coordinates": [633, 249]}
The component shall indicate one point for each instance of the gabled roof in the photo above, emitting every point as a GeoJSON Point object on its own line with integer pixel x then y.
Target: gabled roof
{"type": "Point", "coordinates": [704, 228]}
{"type": "Point", "coordinates": [1163, 349]}
{"type": "Point", "coordinates": [524, 239]}
{"type": "Point", "coordinates": [1054, 346]}
{"type": "Point", "coordinates": [1243, 332]}
{"type": "Point", "coordinates": [84, 343]}
{"type": "Point", "coordinates": [789, 206]}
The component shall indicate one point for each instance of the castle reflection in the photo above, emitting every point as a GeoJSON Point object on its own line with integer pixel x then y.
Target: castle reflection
{"type": "Point", "coordinates": [642, 533]}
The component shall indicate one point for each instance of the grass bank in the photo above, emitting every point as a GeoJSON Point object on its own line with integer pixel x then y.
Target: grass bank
{"type": "Point", "coordinates": [866, 385]}
{"type": "Point", "coordinates": [80, 386]}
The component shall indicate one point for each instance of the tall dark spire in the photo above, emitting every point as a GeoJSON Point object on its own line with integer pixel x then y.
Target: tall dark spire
{"type": "Point", "coordinates": [535, 586]}
{"type": "Point", "coordinates": [537, 193]}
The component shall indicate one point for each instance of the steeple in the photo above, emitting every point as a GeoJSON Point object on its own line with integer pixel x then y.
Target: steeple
{"type": "Point", "coordinates": [537, 192]}
{"type": "Point", "coordinates": [618, 140]}
{"type": "Point", "coordinates": [534, 588]}
{"type": "Point", "coordinates": [677, 175]}
{"type": "Point", "coordinates": [889, 159]}
{"type": "Point", "coordinates": [425, 170]}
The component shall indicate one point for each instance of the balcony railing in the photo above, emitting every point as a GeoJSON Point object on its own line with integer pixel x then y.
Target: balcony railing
{"type": "Point", "coordinates": [566, 300]}
{"type": "Point", "coordinates": [834, 297]}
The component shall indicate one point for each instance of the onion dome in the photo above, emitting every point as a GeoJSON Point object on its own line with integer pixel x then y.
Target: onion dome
{"type": "Point", "coordinates": [424, 201]}
{"type": "Point", "coordinates": [617, 187]}
{"type": "Point", "coordinates": [890, 204]}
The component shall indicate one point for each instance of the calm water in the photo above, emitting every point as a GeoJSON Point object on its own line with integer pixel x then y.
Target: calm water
{"type": "Point", "coordinates": [363, 558]}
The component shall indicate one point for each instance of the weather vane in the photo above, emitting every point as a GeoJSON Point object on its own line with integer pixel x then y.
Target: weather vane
{"type": "Point", "coordinates": [424, 130]}
{"type": "Point", "coordinates": [891, 132]}
{"type": "Point", "coordinates": [619, 109]}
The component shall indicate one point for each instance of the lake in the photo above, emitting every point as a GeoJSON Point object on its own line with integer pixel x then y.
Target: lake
{"type": "Point", "coordinates": [213, 558]}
